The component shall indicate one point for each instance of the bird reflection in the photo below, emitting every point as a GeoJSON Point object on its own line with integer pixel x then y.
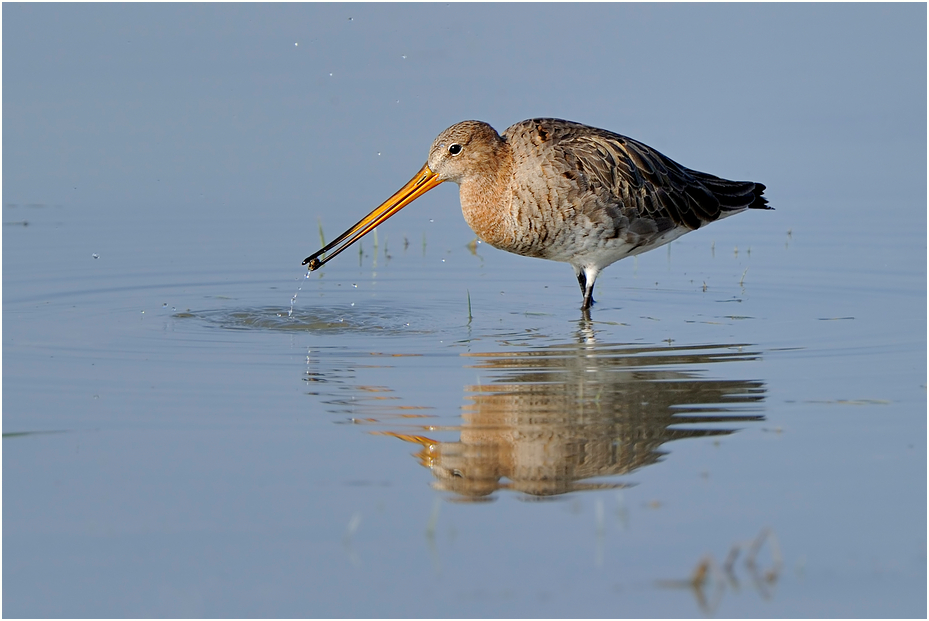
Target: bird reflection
{"type": "Point", "coordinates": [573, 417]}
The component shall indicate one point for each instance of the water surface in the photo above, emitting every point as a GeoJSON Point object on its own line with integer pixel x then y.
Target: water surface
{"type": "Point", "coordinates": [431, 427]}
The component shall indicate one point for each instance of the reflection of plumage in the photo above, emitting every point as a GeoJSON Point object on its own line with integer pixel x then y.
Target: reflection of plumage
{"type": "Point", "coordinates": [556, 418]}
{"type": "Point", "coordinates": [564, 191]}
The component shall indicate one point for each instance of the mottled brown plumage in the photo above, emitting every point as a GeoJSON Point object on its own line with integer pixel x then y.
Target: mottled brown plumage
{"type": "Point", "coordinates": [567, 192]}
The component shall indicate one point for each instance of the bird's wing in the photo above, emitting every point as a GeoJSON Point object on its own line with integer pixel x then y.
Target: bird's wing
{"type": "Point", "coordinates": [643, 183]}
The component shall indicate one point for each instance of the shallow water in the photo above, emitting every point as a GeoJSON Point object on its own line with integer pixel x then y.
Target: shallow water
{"type": "Point", "coordinates": [205, 453]}
{"type": "Point", "coordinates": [432, 428]}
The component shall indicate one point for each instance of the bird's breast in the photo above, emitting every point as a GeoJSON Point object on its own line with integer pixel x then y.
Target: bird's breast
{"type": "Point", "coordinates": [535, 224]}
{"type": "Point", "coordinates": [488, 211]}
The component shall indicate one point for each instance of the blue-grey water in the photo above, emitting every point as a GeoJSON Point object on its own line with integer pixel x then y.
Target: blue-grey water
{"type": "Point", "coordinates": [430, 428]}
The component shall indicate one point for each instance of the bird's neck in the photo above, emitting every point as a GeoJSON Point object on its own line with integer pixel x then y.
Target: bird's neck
{"type": "Point", "coordinates": [486, 196]}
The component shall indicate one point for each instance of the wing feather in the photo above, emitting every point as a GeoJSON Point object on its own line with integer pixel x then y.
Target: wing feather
{"type": "Point", "coordinates": [637, 181]}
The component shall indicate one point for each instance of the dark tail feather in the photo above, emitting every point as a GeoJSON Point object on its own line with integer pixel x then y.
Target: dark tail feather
{"type": "Point", "coordinates": [760, 201]}
{"type": "Point", "coordinates": [735, 195]}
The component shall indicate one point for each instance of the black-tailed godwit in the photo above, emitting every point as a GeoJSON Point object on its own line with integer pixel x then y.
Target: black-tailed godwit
{"type": "Point", "coordinates": [564, 191]}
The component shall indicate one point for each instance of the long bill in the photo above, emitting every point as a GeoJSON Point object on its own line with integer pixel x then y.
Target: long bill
{"type": "Point", "coordinates": [424, 181]}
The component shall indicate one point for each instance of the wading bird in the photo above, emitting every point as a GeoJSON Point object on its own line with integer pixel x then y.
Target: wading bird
{"type": "Point", "coordinates": [563, 191]}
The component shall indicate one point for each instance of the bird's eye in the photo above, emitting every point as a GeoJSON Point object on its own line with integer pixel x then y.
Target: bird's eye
{"type": "Point", "coordinates": [454, 149]}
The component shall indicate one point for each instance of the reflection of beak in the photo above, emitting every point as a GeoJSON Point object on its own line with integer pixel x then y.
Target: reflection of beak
{"type": "Point", "coordinates": [424, 181]}
{"type": "Point", "coordinates": [423, 440]}
{"type": "Point", "coordinates": [427, 455]}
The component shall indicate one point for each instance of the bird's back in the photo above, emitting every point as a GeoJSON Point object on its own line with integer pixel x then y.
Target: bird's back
{"type": "Point", "coordinates": [616, 187]}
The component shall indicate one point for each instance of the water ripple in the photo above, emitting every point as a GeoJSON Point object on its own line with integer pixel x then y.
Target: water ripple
{"type": "Point", "coordinates": [381, 320]}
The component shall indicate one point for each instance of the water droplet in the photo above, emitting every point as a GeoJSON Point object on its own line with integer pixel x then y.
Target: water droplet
{"type": "Point", "coordinates": [404, 57]}
{"type": "Point", "coordinates": [95, 255]}
{"type": "Point", "coordinates": [354, 285]}
{"type": "Point", "coordinates": [296, 44]}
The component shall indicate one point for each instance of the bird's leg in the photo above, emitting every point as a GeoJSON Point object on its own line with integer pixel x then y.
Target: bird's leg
{"type": "Point", "coordinates": [581, 279]}
{"type": "Point", "coordinates": [588, 297]}
{"type": "Point", "coordinates": [586, 277]}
